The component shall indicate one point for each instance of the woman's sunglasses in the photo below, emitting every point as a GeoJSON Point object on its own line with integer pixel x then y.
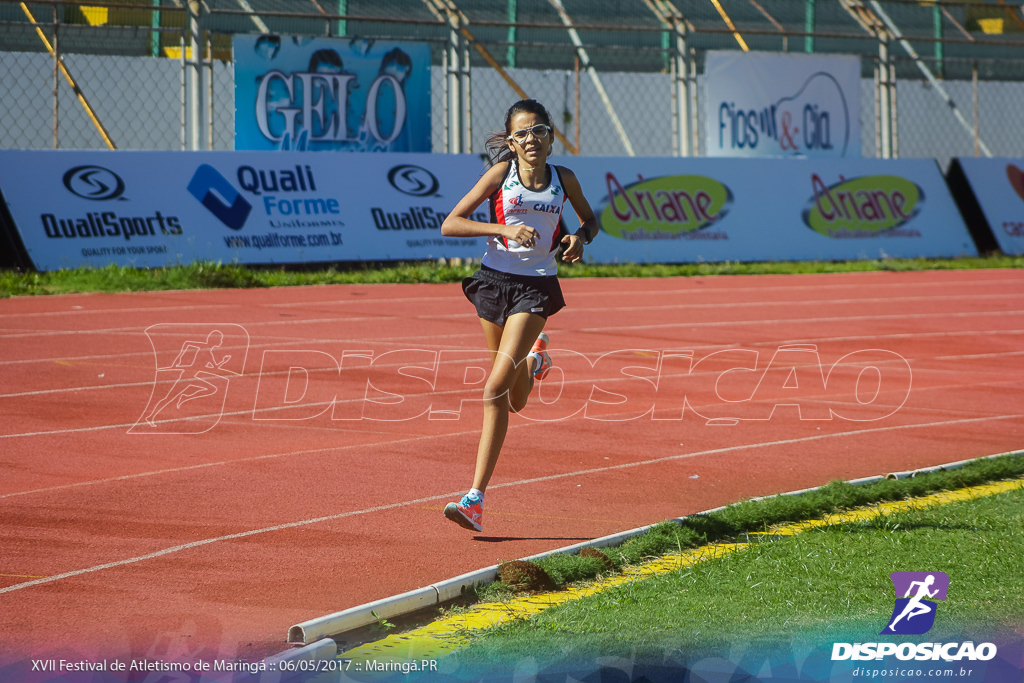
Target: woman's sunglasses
{"type": "Point", "coordinates": [539, 131]}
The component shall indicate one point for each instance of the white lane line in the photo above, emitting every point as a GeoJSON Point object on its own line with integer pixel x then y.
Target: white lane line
{"type": "Point", "coordinates": [795, 321]}
{"type": "Point", "coordinates": [427, 499]}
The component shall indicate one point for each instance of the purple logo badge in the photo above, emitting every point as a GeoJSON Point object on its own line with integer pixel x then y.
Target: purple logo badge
{"type": "Point", "coordinates": [915, 608]}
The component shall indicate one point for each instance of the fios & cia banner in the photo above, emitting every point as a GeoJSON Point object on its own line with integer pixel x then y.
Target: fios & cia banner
{"type": "Point", "coordinates": [765, 104]}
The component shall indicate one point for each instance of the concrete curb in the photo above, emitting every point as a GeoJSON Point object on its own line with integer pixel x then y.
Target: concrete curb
{"type": "Point", "coordinates": [316, 632]}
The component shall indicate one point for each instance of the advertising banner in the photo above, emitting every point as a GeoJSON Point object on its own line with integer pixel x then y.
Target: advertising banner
{"type": "Point", "coordinates": [313, 94]}
{"type": "Point", "coordinates": [997, 187]}
{"type": "Point", "coordinates": [769, 104]}
{"type": "Point", "coordinates": [690, 210]}
{"type": "Point", "coordinates": [146, 209]}
{"type": "Point", "coordinates": [92, 208]}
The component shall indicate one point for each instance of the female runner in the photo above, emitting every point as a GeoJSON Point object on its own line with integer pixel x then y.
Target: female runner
{"type": "Point", "coordinates": [516, 288]}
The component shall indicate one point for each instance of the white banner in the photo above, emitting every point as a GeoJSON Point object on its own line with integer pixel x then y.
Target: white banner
{"type": "Point", "coordinates": [769, 104]}
{"type": "Point", "coordinates": [691, 210]}
{"type": "Point", "coordinates": [160, 208]}
{"type": "Point", "coordinates": [78, 208]}
{"type": "Point", "coordinates": [998, 187]}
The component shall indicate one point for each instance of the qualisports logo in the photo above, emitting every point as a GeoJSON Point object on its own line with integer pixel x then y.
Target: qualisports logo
{"type": "Point", "coordinates": [914, 612]}
{"type": "Point", "coordinates": [194, 367]}
{"type": "Point", "coordinates": [219, 196]}
{"type": "Point", "coordinates": [415, 181]}
{"type": "Point", "coordinates": [93, 182]}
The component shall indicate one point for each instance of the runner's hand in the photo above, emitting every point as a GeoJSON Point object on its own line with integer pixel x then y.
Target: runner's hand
{"type": "Point", "coordinates": [573, 250]}
{"type": "Point", "coordinates": [523, 234]}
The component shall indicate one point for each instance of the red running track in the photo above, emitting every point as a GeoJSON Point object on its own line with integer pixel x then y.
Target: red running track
{"type": "Point", "coordinates": [284, 490]}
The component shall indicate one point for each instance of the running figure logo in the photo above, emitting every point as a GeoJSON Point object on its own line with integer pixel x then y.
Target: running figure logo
{"type": "Point", "coordinates": [914, 612]}
{"type": "Point", "coordinates": [194, 366]}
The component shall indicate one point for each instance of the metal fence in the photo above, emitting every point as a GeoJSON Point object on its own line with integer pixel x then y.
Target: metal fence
{"type": "Point", "coordinates": [940, 79]}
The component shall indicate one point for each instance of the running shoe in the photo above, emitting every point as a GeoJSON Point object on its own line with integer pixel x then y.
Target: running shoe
{"type": "Point", "coordinates": [541, 357]}
{"type": "Point", "coordinates": [468, 513]}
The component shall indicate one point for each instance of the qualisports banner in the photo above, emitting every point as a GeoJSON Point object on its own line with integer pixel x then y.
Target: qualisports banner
{"type": "Point", "coordinates": [313, 94]}
{"type": "Point", "coordinates": [150, 209]}
{"type": "Point", "coordinates": [689, 210]}
{"type": "Point", "coordinates": [765, 104]}
{"type": "Point", "coordinates": [997, 186]}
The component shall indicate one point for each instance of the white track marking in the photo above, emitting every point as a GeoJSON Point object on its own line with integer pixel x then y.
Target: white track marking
{"type": "Point", "coordinates": [428, 499]}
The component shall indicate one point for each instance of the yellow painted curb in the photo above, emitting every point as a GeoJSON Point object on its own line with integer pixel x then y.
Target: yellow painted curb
{"type": "Point", "coordinates": [452, 632]}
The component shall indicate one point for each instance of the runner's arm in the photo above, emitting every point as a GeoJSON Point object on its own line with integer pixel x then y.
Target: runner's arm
{"type": "Point", "coordinates": [459, 224]}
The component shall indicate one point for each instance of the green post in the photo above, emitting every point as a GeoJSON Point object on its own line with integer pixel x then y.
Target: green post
{"type": "Point", "coordinates": [809, 26]}
{"type": "Point", "coordinates": [513, 17]}
{"type": "Point", "coordinates": [939, 53]}
{"type": "Point", "coordinates": [342, 23]}
{"type": "Point", "coordinates": [154, 22]}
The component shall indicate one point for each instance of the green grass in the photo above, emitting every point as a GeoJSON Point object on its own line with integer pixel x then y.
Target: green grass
{"type": "Point", "coordinates": [220, 275]}
{"type": "Point", "coordinates": [818, 586]}
{"type": "Point", "coordinates": [735, 521]}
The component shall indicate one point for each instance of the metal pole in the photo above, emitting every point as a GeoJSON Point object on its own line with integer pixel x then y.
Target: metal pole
{"type": "Point", "coordinates": [878, 108]}
{"type": "Point", "coordinates": [679, 67]}
{"type": "Point", "coordinates": [513, 17]}
{"type": "Point", "coordinates": [56, 82]}
{"type": "Point", "coordinates": [447, 102]}
{"type": "Point", "coordinates": [694, 103]}
{"type": "Point", "coordinates": [209, 93]}
{"type": "Point", "coordinates": [574, 36]}
{"type": "Point", "coordinates": [927, 73]}
{"type": "Point", "coordinates": [467, 96]}
{"type": "Point", "coordinates": [809, 22]}
{"type": "Point", "coordinates": [184, 93]}
{"type": "Point", "coordinates": [682, 94]}
{"type": "Point", "coordinates": [454, 86]}
{"type": "Point", "coordinates": [884, 99]}
{"type": "Point", "coordinates": [154, 23]}
{"type": "Point", "coordinates": [195, 76]}
{"type": "Point", "coordinates": [894, 107]}
{"type": "Point", "coordinates": [977, 115]}
{"type": "Point", "coordinates": [68, 77]}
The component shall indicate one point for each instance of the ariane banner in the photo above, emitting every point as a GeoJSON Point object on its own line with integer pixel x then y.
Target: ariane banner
{"type": "Point", "coordinates": [768, 104]}
{"type": "Point", "coordinates": [314, 94]}
{"type": "Point", "coordinates": [150, 209]}
{"type": "Point", "coordinates": [697, 209]}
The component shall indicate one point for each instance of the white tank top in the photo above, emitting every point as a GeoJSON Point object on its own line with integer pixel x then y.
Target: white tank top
{"type": "Point", "coordinates": [514, 204]}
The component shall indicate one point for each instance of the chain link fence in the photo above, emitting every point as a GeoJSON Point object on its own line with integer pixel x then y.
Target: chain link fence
{"type": "Point", "coordinates": [619, 76]}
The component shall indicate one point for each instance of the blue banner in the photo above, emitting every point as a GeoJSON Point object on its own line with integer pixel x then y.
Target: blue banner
{"type": "Point", "coordinates": [313, 94]}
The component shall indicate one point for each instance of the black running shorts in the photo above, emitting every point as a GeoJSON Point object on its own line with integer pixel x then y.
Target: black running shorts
{"type": "Point", "coordinates": [498, 295]}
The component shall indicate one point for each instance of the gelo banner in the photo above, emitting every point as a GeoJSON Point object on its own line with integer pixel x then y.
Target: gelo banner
{"type": "Point", "coordinates": [302, 93]}
{"type": "Point", "coordinates": [764, 104]}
